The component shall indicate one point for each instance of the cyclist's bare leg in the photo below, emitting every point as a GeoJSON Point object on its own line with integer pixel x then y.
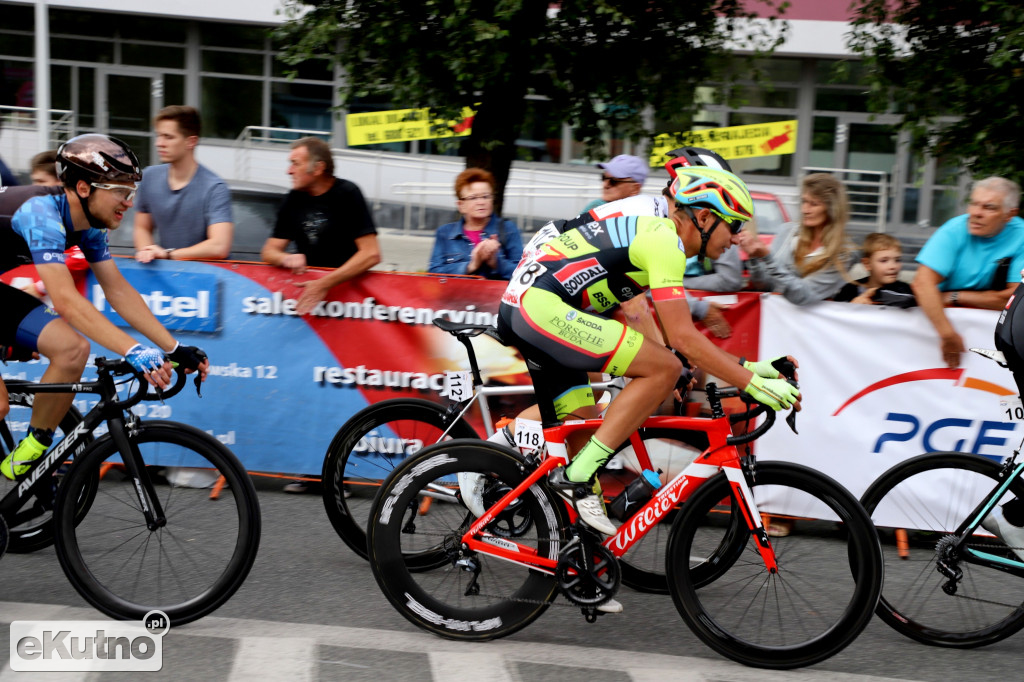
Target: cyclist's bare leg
{"type": "Point", "coordinates": [654, 372]}
{"type": "Point", "coordinates": [67, 351]}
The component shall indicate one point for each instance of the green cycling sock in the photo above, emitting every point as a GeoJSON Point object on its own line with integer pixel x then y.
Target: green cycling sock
{"type": "Point", "coordinates": [588, 460]}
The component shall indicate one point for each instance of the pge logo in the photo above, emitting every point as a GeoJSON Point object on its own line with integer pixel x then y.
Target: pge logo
{"type": "Point", "coordinates": [931, 434]}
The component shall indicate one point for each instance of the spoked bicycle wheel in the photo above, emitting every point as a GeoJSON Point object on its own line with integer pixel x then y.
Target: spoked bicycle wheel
{"type": "Point", "coordinates": [185, 568]}
{"type": "Point", "coordinates": [914, 506]}
{"type": "Point", "coordinates": [365, 450]}
{"type": "Point", "coordinates": [466, 596]}
{"type": "Point", "coordinates": [828, 578]}
{"type": "Point", "coordinates": [31, 528]}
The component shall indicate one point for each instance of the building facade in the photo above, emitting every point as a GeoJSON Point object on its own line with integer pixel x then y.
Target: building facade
{"type": "Point", "coordinates": [114, 63]}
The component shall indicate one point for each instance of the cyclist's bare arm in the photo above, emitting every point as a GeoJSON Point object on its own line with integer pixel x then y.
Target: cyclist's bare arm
{"type": "Point", "coordinates": [77, 311]}
{"type": "Point", "coordinates": [142, 235]}
{"type": "Point", "coordinates": [685, 338]}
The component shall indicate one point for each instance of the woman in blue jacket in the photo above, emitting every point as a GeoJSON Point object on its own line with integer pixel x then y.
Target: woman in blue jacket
{"type": "Point", "coordinates": [480, 243]}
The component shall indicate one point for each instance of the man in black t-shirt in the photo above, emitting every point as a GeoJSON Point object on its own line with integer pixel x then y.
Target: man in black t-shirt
{"type": "Point", "coordinates": [328, 220]}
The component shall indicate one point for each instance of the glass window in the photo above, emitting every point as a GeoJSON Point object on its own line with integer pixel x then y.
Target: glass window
{"type": "Point", "coordinates": [300, 105]}
{"type": "Point", "coordinates": [835, 99]}
{"type": "Point", "coordinates": [839, 72]}
{"type": "Point", "coordinates": [82, 50]}
{"type": "Point", "coordinates": [155, 28]}
{"type": "Point", "coordinates": [16, 81]}
{"type": "Point", "coordinates": [239, 63]}
{"type": "Point", "coordinates": [757, 96]}
{"type": "Point", "coordinates": [18, 18]}
{"type": "Point", "coordinates": [86, 105]}
{"type": "Point", "coordinates": [85, 24]}
{"type": "Point", "coordinates": [160, 56]}
{"type": "Point", "coordinates": [233, 35]}
{"type": "Point", "coordinates": [540, 138]}
{"type": "Point", "coordinates": [945, 205]}
{"type": "Point", "coordinates": [60, 87]}
{"type": "Point", "coordinates": [311, 70]}
{"type": "Point", "coordinates": [228, 105]}
{"type": "Point", "coordinates": [174, 89]}
{"type": "Point", "coordinates": [780, 70]}
{"type": "Point", "coordinates": [16, 45]}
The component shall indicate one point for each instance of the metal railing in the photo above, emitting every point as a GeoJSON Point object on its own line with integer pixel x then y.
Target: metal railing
{"type": "Point", "coordinates": [868, 192]}
{"type": "Point", "coordinates": [20, 128]}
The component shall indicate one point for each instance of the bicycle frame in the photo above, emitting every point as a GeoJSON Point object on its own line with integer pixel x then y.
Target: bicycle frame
{"type": "Point", "coordinates": [973, 522]}
{"type": "Point", "coordinates": [720, 455]}
{"type": "Point", "coordinates": [108, 409]}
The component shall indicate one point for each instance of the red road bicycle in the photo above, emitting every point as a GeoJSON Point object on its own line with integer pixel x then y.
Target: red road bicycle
{"type": "Point", "coordinates": [779, 603]}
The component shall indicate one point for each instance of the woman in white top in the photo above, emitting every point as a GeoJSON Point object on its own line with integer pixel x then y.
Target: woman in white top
{"type": "Point", "coordinates": [807, 261]}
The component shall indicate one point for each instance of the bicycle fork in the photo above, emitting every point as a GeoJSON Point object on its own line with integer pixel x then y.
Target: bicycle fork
{"type": "Point", "coordinates": [122, 431]}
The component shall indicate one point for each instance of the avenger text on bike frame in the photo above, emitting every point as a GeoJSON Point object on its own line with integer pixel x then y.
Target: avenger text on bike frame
{"type": "Point", "coordinates": [124, 565]}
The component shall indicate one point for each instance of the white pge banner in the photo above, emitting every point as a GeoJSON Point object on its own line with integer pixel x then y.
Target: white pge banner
{"type": "Point", "coordinates": [875, 389]}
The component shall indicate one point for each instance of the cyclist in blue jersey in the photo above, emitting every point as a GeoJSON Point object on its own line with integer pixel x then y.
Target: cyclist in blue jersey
{"type": "Point", "coordinates": [37, 224]}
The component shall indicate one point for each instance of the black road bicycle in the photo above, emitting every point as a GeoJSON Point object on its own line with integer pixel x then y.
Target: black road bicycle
{"type": "Point", "coordinates": [131, 535]}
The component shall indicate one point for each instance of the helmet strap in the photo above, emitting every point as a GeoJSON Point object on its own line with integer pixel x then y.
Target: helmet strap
{"type": "Point", "coordinates": [705, 235]}
{"type": "Point", "coordinates": [84, 203]}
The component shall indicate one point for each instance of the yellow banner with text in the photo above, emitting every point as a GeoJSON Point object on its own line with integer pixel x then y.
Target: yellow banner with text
{"type": "Point", "coordinates": [403, 125]}
{"type": "Point", "coordinates": [734, 142]}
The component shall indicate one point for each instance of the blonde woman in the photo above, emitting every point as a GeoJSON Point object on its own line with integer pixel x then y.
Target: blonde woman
{"type": "Point", "coordinates": [808, 260]}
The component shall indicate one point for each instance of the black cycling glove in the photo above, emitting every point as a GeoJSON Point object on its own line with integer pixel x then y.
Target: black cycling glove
{"type": "Point", "coordinates": [189, 357]}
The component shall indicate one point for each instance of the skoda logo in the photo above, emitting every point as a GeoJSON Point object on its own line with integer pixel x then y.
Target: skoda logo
{"type": "Point", "coordinates": [570, 316]}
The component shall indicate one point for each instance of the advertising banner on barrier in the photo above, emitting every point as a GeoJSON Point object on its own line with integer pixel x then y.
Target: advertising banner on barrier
{"type": "Point", "coordinates": [281, 385]}
{"type": "Point", "coordinates": [876, 392]}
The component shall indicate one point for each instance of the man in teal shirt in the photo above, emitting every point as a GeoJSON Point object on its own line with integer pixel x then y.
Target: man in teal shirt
{"type": "Point", "coordinates": [973, 260]}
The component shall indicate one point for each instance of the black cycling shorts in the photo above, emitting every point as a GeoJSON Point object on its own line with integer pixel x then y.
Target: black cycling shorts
{"type": "Point", "coordinates": [23, 318]}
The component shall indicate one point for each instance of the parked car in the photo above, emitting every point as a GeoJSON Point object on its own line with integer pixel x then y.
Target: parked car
{"type": "Point", "coordinates": [254, 207]}
{"type": "Point", "coordinates": [770, 214]}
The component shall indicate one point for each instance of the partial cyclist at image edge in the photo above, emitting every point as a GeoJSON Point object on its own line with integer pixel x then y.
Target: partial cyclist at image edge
{"type": "Point", "coordinates": [552, 311]}
{"type": "Point", "coordinates": [38, 224]}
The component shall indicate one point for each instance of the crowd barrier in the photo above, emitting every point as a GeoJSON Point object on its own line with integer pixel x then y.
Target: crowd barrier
{"type": "Point", "coordinates": [281, 385]}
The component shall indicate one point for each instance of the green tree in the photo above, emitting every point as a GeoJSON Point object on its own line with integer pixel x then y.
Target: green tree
{"type": "Point", "coordinates": [954, 70]}
{"type": "Point", "coordinates": [600, 62]}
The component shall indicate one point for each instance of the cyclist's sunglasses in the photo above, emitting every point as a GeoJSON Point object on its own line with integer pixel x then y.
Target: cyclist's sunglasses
{"type": "Point", "coordinates": [735, 226]}
{"type": "Point", "coordinates": [125, 192]}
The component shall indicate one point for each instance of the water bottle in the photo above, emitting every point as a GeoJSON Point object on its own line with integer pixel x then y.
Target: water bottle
{"type": "Point", "coordinates": [635, 495]}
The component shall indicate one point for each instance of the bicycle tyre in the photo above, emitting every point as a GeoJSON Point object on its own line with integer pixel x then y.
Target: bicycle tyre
{"type": "Point", "coordinates": [357, 461]}
{"type": "Point", "coordinates": [37, 532]}
{"type": "Point", "coordinates": [186, 568]}
{"type": "Point", "coordinates": [510, 596]}
{"type": "Point", "coordinates": [823, 594]}
{"type": "Point", "coordinates": [988, 605]}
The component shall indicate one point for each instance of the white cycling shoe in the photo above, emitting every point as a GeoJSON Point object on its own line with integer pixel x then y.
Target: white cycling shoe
{"type": "Point", "coordinates": [1012, 535]}
{"type": "Point", "coordinates": [590, 508]}
{"type": "Point", "coordinates": [610, 606]}
{"type": "Point", "coordinates": [471, 485]}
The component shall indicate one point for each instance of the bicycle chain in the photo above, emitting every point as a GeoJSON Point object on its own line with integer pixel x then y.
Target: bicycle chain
{"type": "Point", "coordinates": [518, 600]}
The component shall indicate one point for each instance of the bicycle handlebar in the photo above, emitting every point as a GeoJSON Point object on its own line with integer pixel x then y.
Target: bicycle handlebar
{"type": "Point", "coordinates": [121, 367]}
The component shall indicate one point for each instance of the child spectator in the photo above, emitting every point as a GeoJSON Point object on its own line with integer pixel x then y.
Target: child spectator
{"type": "Point", "coordinates": [882, 257]}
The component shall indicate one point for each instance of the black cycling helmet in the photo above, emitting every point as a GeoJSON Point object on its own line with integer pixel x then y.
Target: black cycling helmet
{"type": "Point", "coordinates": [1010, 336]}
{"type": "Point", "coordinates": [693, 156]}
{"type": "Point", "coordinates": [96, 158]}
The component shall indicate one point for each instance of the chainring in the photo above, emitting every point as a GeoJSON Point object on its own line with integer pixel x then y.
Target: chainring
{"type": "Point", "coordinates": [585, 587]}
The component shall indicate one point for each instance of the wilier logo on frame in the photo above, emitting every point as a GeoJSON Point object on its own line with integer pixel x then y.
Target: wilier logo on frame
{"type": "Point", "coordinates": [87, 645]}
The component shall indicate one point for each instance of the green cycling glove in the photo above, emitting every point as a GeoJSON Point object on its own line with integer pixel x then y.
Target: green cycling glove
{"type": "Point", "coordinates": [777, 394]}
{"type": "Point", "coordinates": [764, 367]}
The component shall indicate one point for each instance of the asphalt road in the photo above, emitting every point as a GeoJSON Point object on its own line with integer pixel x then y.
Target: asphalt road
{"type": "Point", "coordinates": [310, 610]}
